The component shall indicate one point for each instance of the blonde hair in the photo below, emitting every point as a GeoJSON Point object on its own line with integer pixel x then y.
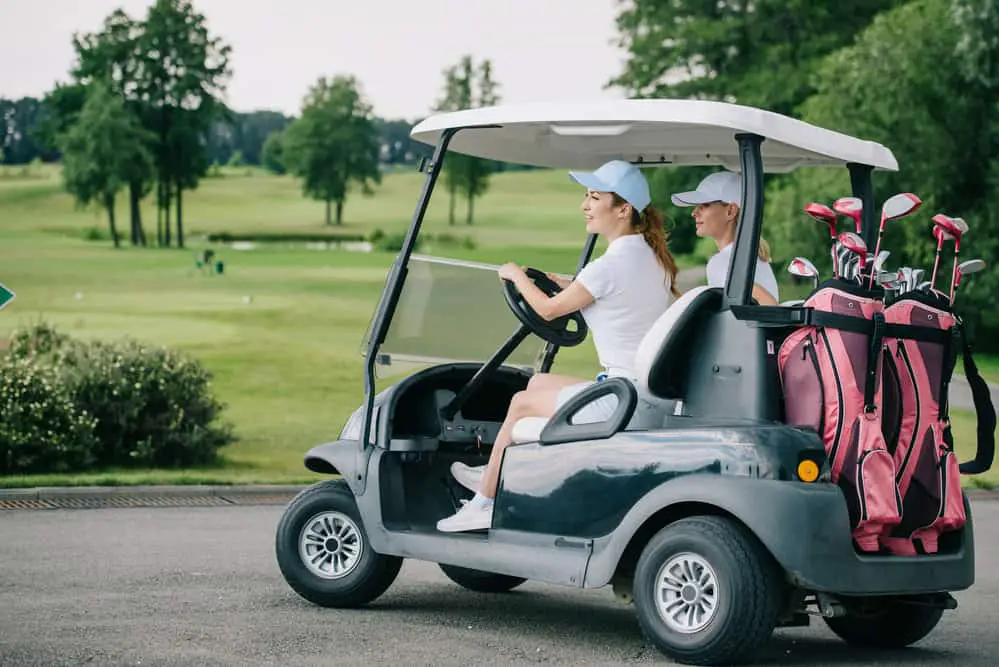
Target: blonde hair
{"type": "Point", "coordinates": [650, 223]}
{"type": "Point", "coordinates": [764, 250]}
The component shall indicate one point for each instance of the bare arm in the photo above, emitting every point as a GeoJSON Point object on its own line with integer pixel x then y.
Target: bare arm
{"type": "Point", "coordinates": [763, 297]}
{"type": "Point", "coordinates": [572, 298]}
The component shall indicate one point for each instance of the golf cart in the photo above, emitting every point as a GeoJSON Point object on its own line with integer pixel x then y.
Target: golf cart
{"type": "Point", "coordinates": [694, 500]}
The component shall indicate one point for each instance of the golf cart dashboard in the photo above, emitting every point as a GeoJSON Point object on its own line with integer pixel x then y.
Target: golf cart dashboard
{"type": "Point", "coordinates": [419, 414]}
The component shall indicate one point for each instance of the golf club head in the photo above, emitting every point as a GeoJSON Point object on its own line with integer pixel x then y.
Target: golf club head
{"type": "Point", "coordinates": [823, 214]}
{"type": "Point", "coordinates": [889, 279]}
{"type": "Point", "coordinates": [853, 242]}
{"type": "Point", "coordinates": [899, 205]}
{"type": "Point", "coordinates": [852, 207]}
{"type": "Point", "coordinates": [967, 266]}
{"type": "Point", "coordinates": [947, 227]}
{"type": "Point", "coordinates": [801, 266]}
{"type": "Point", "coordinates": [879, 261]}
{"type": "Point", "coordinates": [970, 266]}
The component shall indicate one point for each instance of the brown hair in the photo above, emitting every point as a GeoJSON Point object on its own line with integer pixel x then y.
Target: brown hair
{"type": "Point", "coordinates": [650, 223]}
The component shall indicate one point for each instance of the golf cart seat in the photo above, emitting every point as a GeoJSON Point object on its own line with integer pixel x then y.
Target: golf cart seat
{"type": "Point", "coordinates": [662, 364]}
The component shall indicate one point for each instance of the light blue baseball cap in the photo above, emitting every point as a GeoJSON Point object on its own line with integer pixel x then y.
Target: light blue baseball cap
{"type": "Point", "coordinates": [619, 177]}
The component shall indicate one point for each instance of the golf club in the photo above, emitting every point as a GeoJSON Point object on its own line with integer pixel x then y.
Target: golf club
{"type": "Point", "coordinates": [970, 266]}
{"type": "Point", "coordinates": [963, 229]}
{"type": "Point", "coordinates": [800, 266]}
{"type": "Point", "coordinates": [854, 243]}
{"type": "Point", "coordinates": [945, 228]}
{"type": "Point", "coordinates": [894, 207]}
{"type": "Point", "coordinates": [851, 207]}
{"type": "Point", "coordinates": [825, 215]}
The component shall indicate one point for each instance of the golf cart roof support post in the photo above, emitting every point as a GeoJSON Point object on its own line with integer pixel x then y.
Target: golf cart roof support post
{"type": "Point", "coordinates": [742, 270]}
{"type": "Point", "coordinates": [551, 348]}
{"type": "Point", "coordinates": [863, 187]}
{"type": "Point", "coordinates": [390, 296]}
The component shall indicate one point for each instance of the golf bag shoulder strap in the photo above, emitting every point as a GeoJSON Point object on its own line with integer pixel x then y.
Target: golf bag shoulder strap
{"type": "Point", "coordinates": [986, 416]}
{"type": "Point", "coordinates": [923, 334]}
{"type": "Point", "coordinates": [802, 316]}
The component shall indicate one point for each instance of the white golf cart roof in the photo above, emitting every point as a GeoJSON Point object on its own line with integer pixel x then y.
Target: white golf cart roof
{"type": "Point", "coordinates": [648, 131]}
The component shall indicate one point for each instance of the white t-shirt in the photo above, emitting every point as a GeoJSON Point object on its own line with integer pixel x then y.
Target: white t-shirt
{"type": "Point", "coordinates": [630, 290]}
{"type": "Point", "coordinates": [718, 271]}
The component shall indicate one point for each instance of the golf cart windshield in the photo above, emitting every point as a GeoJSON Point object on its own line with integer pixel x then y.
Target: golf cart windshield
{"type": "Point", "coordinates": [448, 311]}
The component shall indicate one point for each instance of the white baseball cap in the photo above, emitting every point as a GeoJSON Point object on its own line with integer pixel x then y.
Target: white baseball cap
{"type": "Point", "coordinates": [619, 177]}
{"type": "Point", "coordinates": [723, 186]}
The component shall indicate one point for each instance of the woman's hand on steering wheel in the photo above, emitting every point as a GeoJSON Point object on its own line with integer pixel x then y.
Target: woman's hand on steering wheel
{"type": "Point", "coordinates": [512, 272]}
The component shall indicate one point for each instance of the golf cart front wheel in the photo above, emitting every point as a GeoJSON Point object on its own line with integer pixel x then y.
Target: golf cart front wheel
{"type": "Point", "coordinates": [324, 553]}
{"type": "Point", "coordinates": [481, 582]}
{"type": "Point", "coordinates": [886, 623]}
{"type": "Point", "coordinates": [706, 592]}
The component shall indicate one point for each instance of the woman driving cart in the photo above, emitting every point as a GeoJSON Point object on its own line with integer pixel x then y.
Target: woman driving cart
{"type": "Point", "coordinates": [620, 295]}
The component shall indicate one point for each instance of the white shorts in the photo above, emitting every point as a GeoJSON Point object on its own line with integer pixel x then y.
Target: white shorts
{"type": "Point", "coordinates": [597, 410]}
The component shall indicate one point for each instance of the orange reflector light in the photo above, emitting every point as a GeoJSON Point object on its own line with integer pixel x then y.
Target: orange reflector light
{"type": "Point", "coordinates": [808, 471]}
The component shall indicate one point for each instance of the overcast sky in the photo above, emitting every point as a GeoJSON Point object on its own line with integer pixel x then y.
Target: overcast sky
{"type": "Point", "coordinates": [542, 50]}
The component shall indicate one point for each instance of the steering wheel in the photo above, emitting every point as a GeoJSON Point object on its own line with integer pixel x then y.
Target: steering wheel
{"type": "Point", "coordinates": [556, 331]}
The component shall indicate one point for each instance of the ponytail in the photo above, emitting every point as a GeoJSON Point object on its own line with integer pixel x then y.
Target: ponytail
{"type": "Point", "coordinates": [650, 223]}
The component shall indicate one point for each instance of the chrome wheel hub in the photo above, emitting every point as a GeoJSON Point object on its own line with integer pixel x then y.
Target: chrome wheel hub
{"type": "Point", "coordinates": [686, 593]}
{"type": "Point", "coordinates": [330, 545]}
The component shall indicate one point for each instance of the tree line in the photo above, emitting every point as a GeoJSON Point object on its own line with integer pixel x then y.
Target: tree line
{"type": "Point", "coordinates": [144, 113]}
{"type": "Point", "coordinates": [919, 76]}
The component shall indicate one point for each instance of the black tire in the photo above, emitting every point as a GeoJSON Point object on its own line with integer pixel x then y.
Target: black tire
{"type": "Point", "coordinates": [747, 591]}
{"type": "Point", "coordinates": [320, 508]}
{"type": "Point", "coordinates": [479, 581]}
{"type": "Point", "coordinates": [890, 623]}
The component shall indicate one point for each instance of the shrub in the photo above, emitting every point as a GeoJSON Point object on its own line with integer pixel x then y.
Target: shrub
{"type": "Point", "coordinates": [153, 406]}
{"type": "Point", "coordinates": [41, 428]}
{"type": "Point", "coordinates": [121, 403]}
{"type": "Point", "coordinates": [37, 339]}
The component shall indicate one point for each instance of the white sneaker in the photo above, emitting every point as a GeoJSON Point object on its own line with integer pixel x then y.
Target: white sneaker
{"type": "Point", "coordinates": [468, 476]}
{"type": "Point", "coordinates": [476, 514]}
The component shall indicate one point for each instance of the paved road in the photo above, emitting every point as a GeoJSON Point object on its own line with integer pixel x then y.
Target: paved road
{"type": "Point", "coordinates": [184, 586]}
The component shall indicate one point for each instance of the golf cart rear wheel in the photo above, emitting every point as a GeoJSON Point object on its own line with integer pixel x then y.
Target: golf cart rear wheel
{"type": "Point", "coordinates": [482, 582]}
{"type": "Point", "coordinates": [706, 592]}
{"type": "Point", "coordinates": [323, 551]}
{"type": "Point", "coordinates": [890, 623]}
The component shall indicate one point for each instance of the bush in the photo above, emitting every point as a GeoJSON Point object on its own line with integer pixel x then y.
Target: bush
{"type": "Point", "coordinates": [153, 406]}
{"type": "Point", "coordinates": [41, 428]}
{"type": "Point", "coordinates": [141, 406]}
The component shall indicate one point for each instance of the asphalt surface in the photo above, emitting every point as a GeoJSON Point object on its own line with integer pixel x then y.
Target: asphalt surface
{"type": "Point", "coordinates": [200, 586]}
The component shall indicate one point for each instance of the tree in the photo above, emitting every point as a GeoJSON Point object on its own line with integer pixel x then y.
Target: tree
{"type": "Point", "coordinates": [18, 139]}
{"type": "Point", "coordinates": [272, 155]}
{"type": "Point", "coordinates": [467, 86]}
{"type": "Point", "coordinates": [112, 56]}
{"type": "Point", "coordinates": [760, 53]}
{"type": "Point", "coordinates": [183, 74]}
{"type": "Point", "coordinates": [333, 143]}
{"type": "Point", "coordinates": [932, 102]}
{"type": "Point", "coordinates": [101, 150]}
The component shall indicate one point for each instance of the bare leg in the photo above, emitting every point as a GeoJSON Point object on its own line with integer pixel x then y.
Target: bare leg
{"type": "Point", "coordinates": [545, 381]}
{"type": "Point", "coordinates": [532, 403]}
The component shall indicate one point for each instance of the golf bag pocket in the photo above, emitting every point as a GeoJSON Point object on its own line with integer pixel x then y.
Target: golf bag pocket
{"type": "Point", "coordinates": [830, 378]}
{"type": "Point", "coordinates": [867, 477]}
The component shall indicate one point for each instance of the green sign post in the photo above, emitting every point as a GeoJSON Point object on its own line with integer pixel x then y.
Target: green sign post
{"type": "Point", "coordinates": [6, 296]}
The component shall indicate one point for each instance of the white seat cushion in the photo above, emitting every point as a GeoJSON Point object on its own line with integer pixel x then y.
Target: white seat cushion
{"type": "Point", "coordinates": [649, 348]}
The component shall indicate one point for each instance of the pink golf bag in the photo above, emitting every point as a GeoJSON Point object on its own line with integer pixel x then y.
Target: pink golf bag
{"type": "Point", "coordinates": [830, 372]}
{"type": "Point", "coordinates": [922, 342]}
